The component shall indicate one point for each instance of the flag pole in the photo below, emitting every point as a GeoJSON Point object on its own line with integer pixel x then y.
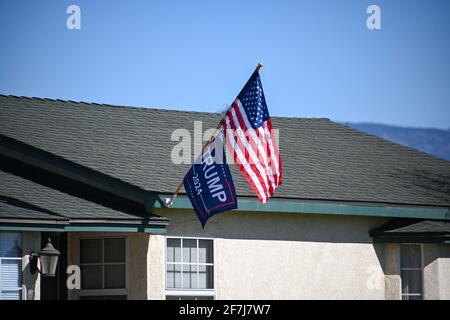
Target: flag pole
{"type": "Point", "coordinates": [168, 202]}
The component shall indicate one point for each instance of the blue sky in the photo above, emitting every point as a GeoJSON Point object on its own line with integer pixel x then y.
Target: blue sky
{"type": "Point", "coordinates": [320, 60]}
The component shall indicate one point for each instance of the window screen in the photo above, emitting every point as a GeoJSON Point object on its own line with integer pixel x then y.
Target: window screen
{"type": "Point", "coordinates": [411, 271]}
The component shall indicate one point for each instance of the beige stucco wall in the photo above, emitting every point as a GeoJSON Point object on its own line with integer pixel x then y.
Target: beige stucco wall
{"type": "Point", "coordinates": [288, 256]}
{"type": "Point", "coordinates": [155, 268]}
{"type": "Point", "coordinates": [281, 256]}
{"type": "Point", "coordinates": [31, 284]}
{"type": "Point", "coordinates": [436, 272]}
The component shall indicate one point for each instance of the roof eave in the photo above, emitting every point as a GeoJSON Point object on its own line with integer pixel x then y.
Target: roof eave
{"type": "Point", "coordinates": [322, 207]}
{"type": "Point", "coordinates": [156, 225]}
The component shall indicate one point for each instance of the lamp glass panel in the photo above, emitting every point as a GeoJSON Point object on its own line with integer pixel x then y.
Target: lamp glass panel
{"type": "Point", "coordinates": [45, 264]}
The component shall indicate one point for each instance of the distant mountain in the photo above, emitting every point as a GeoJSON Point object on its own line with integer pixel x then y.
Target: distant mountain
{"type": "Point", "coordinates": [432, 141]}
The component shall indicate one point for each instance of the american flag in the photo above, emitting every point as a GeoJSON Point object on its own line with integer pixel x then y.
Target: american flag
{"type": "Point", "coordinates": [251, 140]}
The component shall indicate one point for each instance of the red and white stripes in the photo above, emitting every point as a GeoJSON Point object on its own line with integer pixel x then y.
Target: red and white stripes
{"type": "Point", "coordinates": [254, 151]}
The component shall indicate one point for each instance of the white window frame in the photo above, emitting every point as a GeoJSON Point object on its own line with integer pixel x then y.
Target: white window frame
{"type": "Point", "coordinates": [190, 292]}
{"type": "Point", "coordinates": [20, 268]}
{"type": "Point", "coordinates": [402, 294]}
{"type": "Point", "coordinates": [105, 292]}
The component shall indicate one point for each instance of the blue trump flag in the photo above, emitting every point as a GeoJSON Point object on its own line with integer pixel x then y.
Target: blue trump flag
{"type": "Point", "coordinates": [209, 184]}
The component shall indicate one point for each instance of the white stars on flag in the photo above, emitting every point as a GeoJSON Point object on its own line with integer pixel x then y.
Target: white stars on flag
{"type": "Point", "coordinates": [250, 138]}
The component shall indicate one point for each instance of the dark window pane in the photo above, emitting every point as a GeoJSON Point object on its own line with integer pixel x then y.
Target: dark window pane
{"type": "Point", "coordinates": [411, 281]}
{"type": "Point", "coordinates": [91, 251]}
{"type": "Point", "coordinates": [205, 253]}
{"type": "Point", "coordinates": [412, 297]}
{"type": "Point", "coordinates": [206, 277]}
{"type": "Point", "coordinates": [92, 298]}
{"type": "Point", "coordinates": [91, 277]}
{"type": "Point", "coordinates": [103, 298]}
{"type": "Point", "coordinates": [115, 276]}
{"type": "Point", "coordinates": [114, 250]}
{"type": "Point", "coordinates": [115, 297]}
{"type": "Point", "coordinates": [410, 255]}
{"type": "Point", "coordinates": [10, 245]}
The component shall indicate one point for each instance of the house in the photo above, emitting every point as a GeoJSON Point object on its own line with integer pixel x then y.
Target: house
{"type": "Point", "coordinates": [357, 217]}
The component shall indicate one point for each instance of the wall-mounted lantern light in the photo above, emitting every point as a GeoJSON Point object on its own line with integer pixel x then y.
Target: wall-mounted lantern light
{"type": "Point", "coordinates": [48, 257]}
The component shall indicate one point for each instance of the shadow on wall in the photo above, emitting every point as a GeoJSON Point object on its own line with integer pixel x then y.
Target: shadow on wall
{"type": "Point", "coordinates": [275, 226]}
{"type": "Point", "coordinates": [432, 252]}
{"type": "Point", "coordinates": [343, 240]}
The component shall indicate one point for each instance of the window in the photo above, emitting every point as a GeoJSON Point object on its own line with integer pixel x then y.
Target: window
{"type": "Point", "coordinates": [189, 269]}
{"type": "Point", "coordinates": [10, 266]}
{"type": "Point", "coordinates": [103, 268]}
{"type": "Point", "coordinates": [411, 271]}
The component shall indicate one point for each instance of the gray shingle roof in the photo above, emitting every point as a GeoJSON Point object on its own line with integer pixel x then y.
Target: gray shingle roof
{"type": "Point", "coordinates": [405, 226]}
{"type": "Point", "coordinates": [14, 208]}
{"type": "Point", "coordinates": [322, 159]}
{"type": "Point", "coordinates": [24, 199]}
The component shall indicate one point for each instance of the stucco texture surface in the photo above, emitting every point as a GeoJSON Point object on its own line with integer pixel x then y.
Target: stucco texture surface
{"type": "Point", "coordinates": [290, 256]}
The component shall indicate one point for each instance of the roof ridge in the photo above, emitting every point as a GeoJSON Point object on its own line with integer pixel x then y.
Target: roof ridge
{"type": "Point", "coordinates": [145, 108]}
{"type": "Point", "coordinates": [102, 104]}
